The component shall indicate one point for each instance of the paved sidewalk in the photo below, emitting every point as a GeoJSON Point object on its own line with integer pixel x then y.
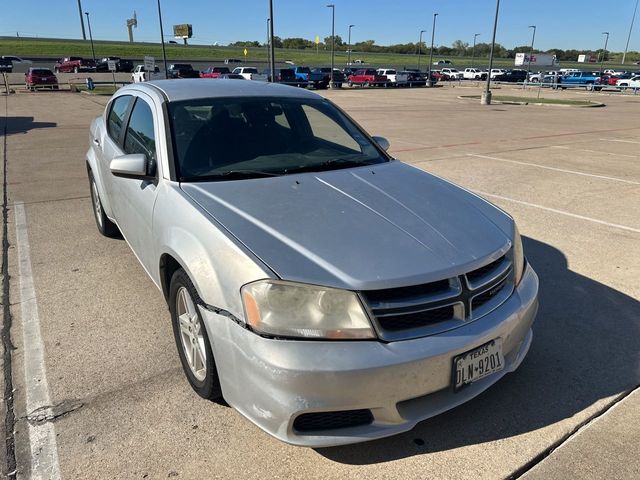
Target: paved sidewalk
{"type": "Point", "coordinates": [608, 447]}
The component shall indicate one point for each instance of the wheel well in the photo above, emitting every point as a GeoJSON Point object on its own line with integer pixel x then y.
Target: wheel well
{"type": "Point", "coordinates": [168, 266]}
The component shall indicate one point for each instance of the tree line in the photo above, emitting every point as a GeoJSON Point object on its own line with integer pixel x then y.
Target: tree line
{"type": "Point", "coordinates": [457, 48]}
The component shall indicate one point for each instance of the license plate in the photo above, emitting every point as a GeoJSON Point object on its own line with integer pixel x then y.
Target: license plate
{"type": "Point", "coordinates": [477, 363]}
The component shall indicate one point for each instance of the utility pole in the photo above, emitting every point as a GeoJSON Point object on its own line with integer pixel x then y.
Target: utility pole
{"type": "Point", "coordinates": [272, 58]}
{"type": "Point", "coordinates": [84, 35]}
{"type": "Point", "coordinates": [486, 95]}
{"type": "Point", "coordinates": [633, 18]}
{"type": "Point", "coordinates": [420, 47]}
{"type": "Point", "coordinates": [433, 33]}
{"type": "Point", "coordinates": [349, 46]}
{"type": "Point", "coordinates": [164, 52]}
{"type": "Point", "coordinates": [333, 40]}
{"type": "Point", "coordinates": [473, 55]}
{"type": "Point", "coordinates": [93, 52]}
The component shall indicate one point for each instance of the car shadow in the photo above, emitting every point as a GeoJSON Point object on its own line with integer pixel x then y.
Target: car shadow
{"type": "Point", "coordinates": [17, 125]}
{"type": "Point", "coordinates": [585, 348]}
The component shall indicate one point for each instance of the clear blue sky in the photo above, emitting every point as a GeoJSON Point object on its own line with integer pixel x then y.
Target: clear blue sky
{"type": "Point", "coordinates": [561, 23]}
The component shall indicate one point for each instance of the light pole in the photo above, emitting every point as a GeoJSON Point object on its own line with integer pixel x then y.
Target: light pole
{"type": "Point", "coordinates": [268, 45]}
{"type": "Point", "coordinates": [349, 46]}
{"type": "Point", "coordinates": [633, 18]}
{"type": "Point", "coordinates": [433, 34]}
{"type": "Point", "coordinates": [420, 47]}
{"type": "Point", "coordinates": [533, 39]}
{"type": "Point", "coordinates": [272, 58]}
{"type": "Point", "coordinates": [93, 52]}
{"type": "Point", "coordinates": [164, 53]}
{"type": "Point", "coordinates": [84, 35]}
{"type": "Point", "coordinates": [333, 40]}
{"type": "Point", "coordinates": [485, 99]}
{"type": "Point", "coordinates": [473, 55]}
{"type": "Point", "coordinates": [604, 52]}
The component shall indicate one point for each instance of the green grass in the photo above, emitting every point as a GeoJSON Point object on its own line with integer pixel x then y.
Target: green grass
{"type": "Point", "coordinates": [99, 89]}
{"type": "Point", "coordinates": [33, 47]}
{"type": "Point", "coordinates": [550, 101]}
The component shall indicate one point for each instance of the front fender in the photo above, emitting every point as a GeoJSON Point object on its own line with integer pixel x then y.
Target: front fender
{"type": "Point", "coordinates": [216, 262]}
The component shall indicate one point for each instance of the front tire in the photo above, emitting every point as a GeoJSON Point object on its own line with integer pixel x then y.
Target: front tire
{"type": "Point", "coordinates": [191, 337]}
{"type": "Point", "coordinates": [105, 226]}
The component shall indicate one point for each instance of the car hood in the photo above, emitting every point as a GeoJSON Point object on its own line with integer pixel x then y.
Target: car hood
{"type": "Point", "coordinates": [360, 228]}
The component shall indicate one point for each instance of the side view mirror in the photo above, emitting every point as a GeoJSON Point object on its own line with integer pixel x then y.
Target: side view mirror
{"type": "Point", "coordinates": [134, 165]}
{"type": "Point", "coordinates": [382, 142]}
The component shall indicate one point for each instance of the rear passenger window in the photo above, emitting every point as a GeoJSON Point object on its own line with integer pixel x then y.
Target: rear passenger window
{"type": "Point", "coordinates": [140, 136]}
{"type": "Point", "coordinates": [117, 113]}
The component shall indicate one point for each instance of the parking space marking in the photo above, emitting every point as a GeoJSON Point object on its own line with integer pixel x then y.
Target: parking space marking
{"type": "Point", "coordinates": [559, 212]}
{"type": "Point", "coordinates": [564, 147]}
{"type": "Point", "coordinates": [603, 177]}
{"type": "Point", "coordinates": [42, 433]}
{"type": "Point", "coordinates": [618, 140]}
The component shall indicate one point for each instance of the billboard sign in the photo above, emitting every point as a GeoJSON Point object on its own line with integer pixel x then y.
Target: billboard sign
{"type": "Point", "coordinates": [537, 59]}
{"type": "Point", "coordinates": [183, 30]}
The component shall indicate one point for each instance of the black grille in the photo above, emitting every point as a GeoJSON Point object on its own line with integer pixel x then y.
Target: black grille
{"type": "Point", "coordinates": [416, 320]}
{"type": "Point", "coordinates": [310, 422]}
{"type": "Point", "coordinates": [488, 295]}
{"type": "Point", "coordinates": [482, 271]}
{"type": "Point", "coordinates": [406, 293]}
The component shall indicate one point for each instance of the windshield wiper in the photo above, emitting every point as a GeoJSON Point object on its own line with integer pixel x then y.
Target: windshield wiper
{"type": "Point", "coordinates": [230, 175]}
{"type": "Point", "coordinates": [328, 164]}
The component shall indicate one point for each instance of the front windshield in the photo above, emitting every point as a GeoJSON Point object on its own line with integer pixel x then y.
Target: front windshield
{"type": "Point", "coordinates": [223, 138]}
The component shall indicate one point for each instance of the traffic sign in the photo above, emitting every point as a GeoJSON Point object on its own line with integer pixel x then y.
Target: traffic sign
{"type": "Point", "coordinates": [111, 65]}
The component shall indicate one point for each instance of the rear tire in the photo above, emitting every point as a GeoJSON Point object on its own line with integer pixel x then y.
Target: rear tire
{"type": "Point", "coordinates": [191, 337]}
{"type": "Point", "coordinates": [105, 226]}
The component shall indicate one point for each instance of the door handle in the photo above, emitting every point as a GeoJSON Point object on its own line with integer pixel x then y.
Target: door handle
{"type": "Point", "coordinates": [96, 141]}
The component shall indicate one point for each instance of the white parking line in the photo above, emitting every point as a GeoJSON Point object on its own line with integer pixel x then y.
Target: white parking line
{"type": "Point", "coordinates": [618, 140]}
{"type": "Point", "coordinates": [560, 212]}
{"type": "Point", "coordinates": [603, 177]}
{"type": "Point", "coordinates": [42, 435]}
{"type": "Point", "coordinates": [564, 147]}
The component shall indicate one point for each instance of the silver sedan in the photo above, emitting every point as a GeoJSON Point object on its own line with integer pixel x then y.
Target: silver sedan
{"type": "Point", "coordinates": [330, 293]}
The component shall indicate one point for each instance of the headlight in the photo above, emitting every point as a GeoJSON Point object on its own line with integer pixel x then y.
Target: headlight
{"type": "Point", "coordinates": [290, 309]}
{"type": "Point", "coordinates": [518, 255]}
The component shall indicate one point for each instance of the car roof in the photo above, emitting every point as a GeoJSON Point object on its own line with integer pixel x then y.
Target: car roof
{"type": "Point", "coordinates": [194, 88]}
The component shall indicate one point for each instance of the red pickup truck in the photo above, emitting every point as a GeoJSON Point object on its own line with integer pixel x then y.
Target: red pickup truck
{"type": "Point", "coordinates": [367, 77]}
{"type": "Point", "coordinates": [214, 72]}
{"type": "Point", "coordinates": [75, 65]}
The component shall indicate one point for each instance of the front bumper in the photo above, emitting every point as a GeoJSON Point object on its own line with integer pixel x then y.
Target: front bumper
{"type": "Point", "coordinates": [271, 382]}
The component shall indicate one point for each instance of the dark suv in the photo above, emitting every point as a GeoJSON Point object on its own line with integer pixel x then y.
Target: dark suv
{"type": "Point", "coordinates": [338, 76]}
{"type": "Point", "coordinates": [182, 70]}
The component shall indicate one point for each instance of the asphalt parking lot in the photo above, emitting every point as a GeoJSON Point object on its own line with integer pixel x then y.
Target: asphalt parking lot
{"type": "Point", "coordinates": [92, 336]}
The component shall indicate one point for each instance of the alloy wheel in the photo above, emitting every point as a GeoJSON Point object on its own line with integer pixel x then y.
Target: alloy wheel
{"type": "Point", "coordinates": [191, 335]}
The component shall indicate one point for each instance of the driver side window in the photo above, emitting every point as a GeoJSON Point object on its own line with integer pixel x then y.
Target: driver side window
{"type": "Point", "coordinates": [140, 135]}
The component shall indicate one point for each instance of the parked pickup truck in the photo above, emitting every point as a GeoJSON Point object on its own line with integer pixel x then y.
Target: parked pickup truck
{"type": "Point", "coordinates": [588, 80]}
{"type": "Point", "coordinates": [6, 66]}
{"type": "Point", "coordinates": [474, 74]}
{"type": "Point", "coordinates": [286, 76]}
{"type": "Point", "coordinates": [314, 79]}
{"type": "Point", "coordinates": [214, 72]}
{"type": "Point", "coordinates": [140, 75]}
{"type": "Point", "coordinates": [75, 65]}
{"type": "Point", "coordinates": [251, 73]}
{"type": "Point", "coordinates": [122, 65]}
{"type": "Point", "coordinates": [338, 76]}
{"type": "Point", "coordinates": [396, 79]}
{"type": "Point", "coordinates": [367, 77]}
{"type": "Point", "coordinates": [452, 73]}
{"type": "Point", "coordinates": [182, 70]}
